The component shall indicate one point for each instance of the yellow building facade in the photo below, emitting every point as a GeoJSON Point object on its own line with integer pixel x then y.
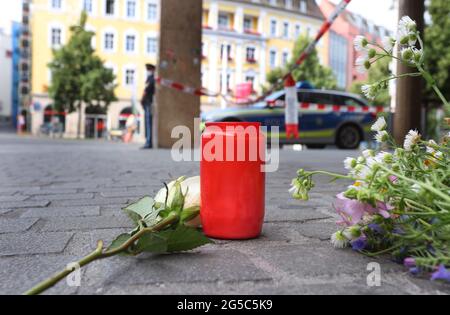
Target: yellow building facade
{"type": "Point", "coordinates": [242, 42]}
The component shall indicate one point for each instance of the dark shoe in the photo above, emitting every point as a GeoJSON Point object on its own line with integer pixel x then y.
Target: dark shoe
{"type": "Point", "coordinates": [146, 147]}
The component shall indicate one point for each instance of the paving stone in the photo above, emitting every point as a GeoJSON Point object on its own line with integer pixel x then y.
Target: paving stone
{"type": "Point", "coordinates": [320, 259]}
{"type": "Point", "coordinates": [20, 274]}
{"type": "Point", "coordinates": [4, 211]}
{"type": "Point", "coordinates": [274, 214]}
{"type": "Point", "coordinates": [16, 225]}
{"type": "Point", "coordinates": [225, 265]}
{"type": "Point", "coordinates": [33, 243]}
{"type": "Point", "coordinates": [53, 191]}
{"type": "Point", "coordinates": [91, 202]}
{"type": "Point", "coordinates": [63, 197]}
{"type": "Point", "coordinates": [13, 198]}
{"type": "Point", "coordinates": [23, 204]}
{"type": "Point", "coordinates": [80, 211]}
{"type": "Point", "coordinates": [319, 230]}
{"type": "Point", "coordinates": [84, 223]}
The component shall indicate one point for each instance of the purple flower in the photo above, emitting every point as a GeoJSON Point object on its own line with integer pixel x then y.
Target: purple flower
{"type": "Point", "coordinates": [398, 231]}
{"type": "Point", "coordinates": [352, 211]}
{"type": "Point", "coordinates": [376, 228]}
{"type": "Point", "coordinates": [415, 271]}
{"type": "Point", "coordinates": [393, 179]}
{"type": "Point", "coordinates": [441, 274]}
{"type": "Point", "coordinates": [409, 262]}
{"type": "Point", "coordinates": [359, 244]}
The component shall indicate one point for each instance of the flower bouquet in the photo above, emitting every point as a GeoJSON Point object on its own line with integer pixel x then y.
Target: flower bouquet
{"type": "Point", "coordinates": [399, 202]}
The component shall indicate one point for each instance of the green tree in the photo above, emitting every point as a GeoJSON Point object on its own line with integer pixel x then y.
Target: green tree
{"type": "Point", "coordinates": [78, 75]}
{"type": "Point", "coordinates": [379, 71]}
{"type": "Point", "coordinates": [437, 40]}
{"type": "Point", "coordinates": [311, 70]}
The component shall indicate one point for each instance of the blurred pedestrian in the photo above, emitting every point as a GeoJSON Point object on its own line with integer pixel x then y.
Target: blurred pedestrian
{"type": "Point", "coordinates": [131, 127]}
{"type": "Point", "coordinates": [20, 124]}
{"type": "Point", "coordinates": [147, 103]}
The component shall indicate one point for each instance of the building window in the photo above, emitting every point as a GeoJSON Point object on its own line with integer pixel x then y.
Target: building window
{"type": "Point", "coordinates": [303, 6]}
{"type": "Point", "coordinates": [286, 30]}
{"type": "Point", "coordinates": [152, 45]}
{"type": "Point", "coordinates": [56, 34]}
{"type": "Point", "coordinates": [131, 8]}
{"type": "Point", "coordinates": [152, 12]}
{"type": "Point", "coordinates": [130, 43]}
{"type": "Point", "coordinates": [250, 79]}
{"type": "Point", "coordinates": [224, 21]}
{"type": "Point", "coordinates": [251, 54]}
{"type": "Point", "coordinates": [273, 58]}
{"type": "Point", "coordinates": [110, 8]}
{"type": "Point", "coordinates": [297, 31]}
{"type": "Point", "coordinates": [88, 6]}
{"type": "Point", "coordinates": [109, 41]}
{"type": "Point", "coordinates": [285, 58]}
{"type": "Point", "coordinates": [130, 77]}
{"type": "Point", "coordinates": [56, 4]}
{"type": "Point", "coordinates": [273, 28]}
{"type": "Point", "coordinates": [338, 60]}
{"type": "Point", "coordinates": [228, 51]}
{"type": "Point", "coordinates": [248, 24]}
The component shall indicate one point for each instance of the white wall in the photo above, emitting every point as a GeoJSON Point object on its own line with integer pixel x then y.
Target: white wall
{"type": "Point", "coordinates": [5, 76]}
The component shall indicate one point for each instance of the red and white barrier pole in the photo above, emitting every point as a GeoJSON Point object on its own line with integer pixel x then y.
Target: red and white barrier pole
{"type": "Point", "coordinates": [291, 115]}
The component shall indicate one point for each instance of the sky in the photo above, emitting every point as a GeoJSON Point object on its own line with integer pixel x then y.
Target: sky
{"type": "Point", "coordinates": [378, 11]}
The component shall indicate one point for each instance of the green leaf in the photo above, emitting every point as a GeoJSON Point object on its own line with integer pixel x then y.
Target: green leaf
{"type": "Point", "coordinates": [152, 243]}
{"type": "Point", "coordinates": [184, 239]}
{"type": "Point", "coordinates": [142, 209]}
{"type": "Point", "coordinates": [178, 199]}
{"type": "Point", "coordinates": [119, 241]}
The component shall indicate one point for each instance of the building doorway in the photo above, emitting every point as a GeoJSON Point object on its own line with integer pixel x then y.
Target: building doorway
{"type": "Point", "coordinates": [95, 122]}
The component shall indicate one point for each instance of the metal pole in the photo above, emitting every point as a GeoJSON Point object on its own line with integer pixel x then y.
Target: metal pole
{"type": "Point", "coordinates": [409, 90]}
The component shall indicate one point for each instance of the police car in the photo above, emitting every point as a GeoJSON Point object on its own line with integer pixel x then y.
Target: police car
{"type": "Point", "coordinates": [325, 118]}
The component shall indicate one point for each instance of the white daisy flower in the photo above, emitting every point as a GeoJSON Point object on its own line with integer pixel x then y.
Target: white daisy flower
{"type": "Point", "coordinates": [416, 188]}
{"type": "Point", "coordinates": [382, 137]}
{"type": "Point", "coordinates": [339, 240]}
{"type": "Point", "coordinates": [385, 157]}
{"type": "Point", "coordinates": [372, 162]}
{"type": "Point", "coordinates": [350, 163]}
{"type": "Point", "coordinates": [364, 172]}
{"type": "Point", "coordinates": [358, 185]}
{"type": "Point", "coordinates": [411, 139]}
{"type": "Point", "coordinates": [360, 43]}
{"type": "Point", "coordinates": [362, 64]}
{"type": "Point", "coordinates": [368, 153]}
{"type": "Point", "coordinates": [407, 24]}
{"type": "Point", "coordinates": [361, 160]}
{"type": "Point", "coordinates": [369, 90]}
{"type": "Point", "coordinates": [431, 147]}
{"type": "Point", "coordinates": [379, 125]}
{"type": "Point", "coordinates": [352, 233]}
{"type": "Point", "coordinates": [417, 55]}
{"type": "Point", "coordinates": [388, 43]}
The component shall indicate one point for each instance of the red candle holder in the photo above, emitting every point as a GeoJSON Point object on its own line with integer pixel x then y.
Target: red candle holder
{"type": "Point", "coordinates": [233, 180]}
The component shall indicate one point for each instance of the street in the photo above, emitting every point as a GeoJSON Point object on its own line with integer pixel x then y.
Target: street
{"type": "Point", "coordinates": [58, 197]}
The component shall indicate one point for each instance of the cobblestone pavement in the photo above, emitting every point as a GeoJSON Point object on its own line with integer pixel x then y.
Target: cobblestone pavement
{"type": "Point", "coordinates": [57, 198]}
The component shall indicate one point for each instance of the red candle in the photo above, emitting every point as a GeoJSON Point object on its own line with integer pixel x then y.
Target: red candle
{"type": "Point", "coordinates": [233, 180]}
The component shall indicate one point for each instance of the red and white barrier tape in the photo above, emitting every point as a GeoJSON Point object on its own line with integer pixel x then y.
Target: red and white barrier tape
{"type": "Point", "coordinates": [336, 108]}
{"type": "Point", "coordinates": [205, 92]}
{"type": "Point", "coordinates": [184, 88]}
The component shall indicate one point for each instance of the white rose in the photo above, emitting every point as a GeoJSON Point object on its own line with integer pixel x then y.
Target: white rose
{"type": "Point", "coordinates": [190, 187]}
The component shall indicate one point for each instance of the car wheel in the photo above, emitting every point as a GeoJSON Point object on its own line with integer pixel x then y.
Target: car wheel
{"type": "Point", "coordinates": [316, 146]}
{"type": "Point", "coordinates": [349, 137]}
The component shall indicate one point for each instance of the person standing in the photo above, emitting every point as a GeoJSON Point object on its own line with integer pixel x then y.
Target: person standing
{"type": "Point", "coordinates": [147, 103]}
